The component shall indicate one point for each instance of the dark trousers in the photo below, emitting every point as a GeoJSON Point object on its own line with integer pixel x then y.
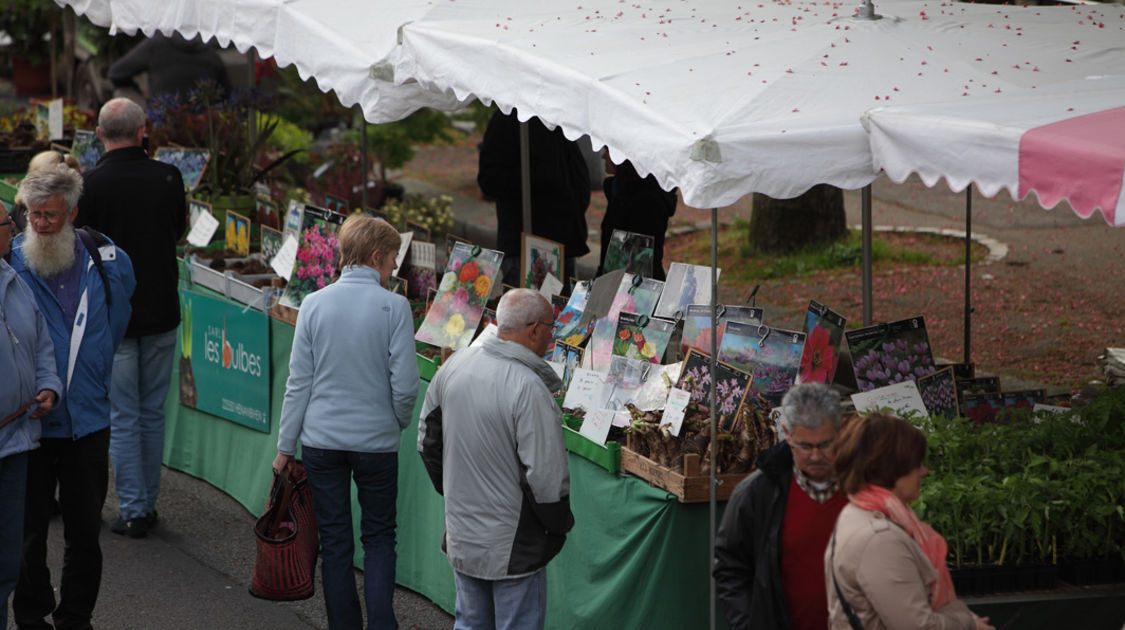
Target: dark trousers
{"type": "Point", "coordinates": [80, 468]}
{"type": "Point", "coordinates": [330, 476]}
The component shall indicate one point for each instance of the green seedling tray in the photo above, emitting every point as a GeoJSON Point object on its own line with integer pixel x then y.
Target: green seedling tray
{"type": "Point", "coordinates": [608, 456]}
{"type": "Point", "coordinates": [426, 367]}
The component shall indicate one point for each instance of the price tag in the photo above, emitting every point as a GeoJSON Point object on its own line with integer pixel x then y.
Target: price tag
{"type": "Point", "coordinates": [286, 258]}
{"type": "Point", "coordinates": [202, 229]}
{"type": "Point", "coordinates": [596, 424]}
{"type": "Point", "coordinates": [551, 286]}
{"type": "Point", "coordinates": [673, 416]}
{"type": "Point", "coordinates": [584, 391]}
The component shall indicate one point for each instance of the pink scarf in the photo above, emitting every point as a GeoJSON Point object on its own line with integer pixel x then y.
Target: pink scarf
{"type": "Point", "coordinates": [877, 499]}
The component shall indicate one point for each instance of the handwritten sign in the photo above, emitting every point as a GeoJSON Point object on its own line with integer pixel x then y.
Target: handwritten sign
{"type": "Point", "coordinates": [585, 390]}
{"type": "Point", "coordinates": [673, 416]}
{"type": "Point", "coordinates": [403, 248]}
{"type": "Point", "coordinates": [551, 286]}
{"type": "Point", "coordinates": [286, 257]}
{"type": "Point", "coordinates": [653, 392]}
{"type": "Point", "coordinates": [596, 425]}
{"type": "Point", "coordinates": [202, 229]}
{"type": "Point", "coordinates": [900, 397]}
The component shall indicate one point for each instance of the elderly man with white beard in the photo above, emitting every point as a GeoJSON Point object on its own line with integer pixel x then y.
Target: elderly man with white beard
{"type": "Point", "coordinates": [82, 284]}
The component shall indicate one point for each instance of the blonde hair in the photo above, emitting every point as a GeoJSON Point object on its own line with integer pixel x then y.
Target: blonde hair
{"type": "Point", "coordinates": [47, 159]}
{"type": "Point", "coordinates": [361, 236]}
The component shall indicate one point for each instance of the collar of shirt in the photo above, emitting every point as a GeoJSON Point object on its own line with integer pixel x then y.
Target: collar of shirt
{"type": "Point", "coordinates": [819, 492]}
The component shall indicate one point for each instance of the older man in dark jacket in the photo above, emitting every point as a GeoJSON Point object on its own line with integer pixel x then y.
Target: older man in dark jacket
{"type": "Point", "coordinates": [769, 551]}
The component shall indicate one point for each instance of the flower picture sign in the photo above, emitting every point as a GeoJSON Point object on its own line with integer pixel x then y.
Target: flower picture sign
{"type": "Point", "coordinates": [825, 330]}
{"type": "Point", "coordinates": [635, 294]}
{"type": "Point", "coordinates": [191, 163]}
{"type": "Point", "coordinates": [772, 355]}
{"type": "Point", "coordinates": [318, 255]}
{"type": "Point", "coordinates": [697, 324]}
{"type": "Point", "coordinates": [641, 337]}
{"type": "Point", "coordinates": [459, 304]}
{"type": "Point", "coordinates": [567, 322]}
{"type": "Point", "coordinates": [890, 353]}
{"type": "Point", "coordinates": [731, 385]}
{"type": "Point", "coordinates": [539, 258]}
{"type": "Point", "coordinates": [686, 285]}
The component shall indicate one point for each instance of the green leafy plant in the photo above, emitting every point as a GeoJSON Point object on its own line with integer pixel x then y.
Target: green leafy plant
{"type": "Point", "coordinates": [434, 213]}
{"type": "Point", "coordinates": [29, 24]}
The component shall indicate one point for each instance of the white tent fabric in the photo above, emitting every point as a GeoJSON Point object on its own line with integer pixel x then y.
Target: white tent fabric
{"type": "Point", "coordinates": [991, 143]}
{"type": "Point", "coordinates": [723, 99]}
{"type": "Point", "coordinates": [718, 98]}
{"type": "Point", "coordinates": [336, 42]}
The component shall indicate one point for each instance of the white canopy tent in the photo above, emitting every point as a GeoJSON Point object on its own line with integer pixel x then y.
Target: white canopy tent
{"type": "Point", "coordinates": [1065, 141]}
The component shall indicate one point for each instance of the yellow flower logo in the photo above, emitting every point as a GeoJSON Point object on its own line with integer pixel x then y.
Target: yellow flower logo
{"type": "Point", "coordinates": [455, 326]}
{"type": "Point", "coordinates": [482, 285]}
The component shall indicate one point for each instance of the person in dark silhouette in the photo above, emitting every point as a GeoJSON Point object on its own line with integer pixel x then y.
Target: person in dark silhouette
{"type": "Point", "coordinates": [636, 204]}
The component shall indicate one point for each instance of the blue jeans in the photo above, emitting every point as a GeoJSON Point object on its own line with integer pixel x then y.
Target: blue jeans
{"type": "Point", "coordinates": [516, 604]}
{"type": "Point", "coordinates": [376, 478]}
{"type": "Point", "coordinates": [13, 488]}
{"type": "Point", "coordinates": [142, 372]}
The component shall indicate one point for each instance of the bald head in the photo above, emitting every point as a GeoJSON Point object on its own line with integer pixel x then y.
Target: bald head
{"type": "Point", "coordinates": [525, 317]}
{"type": "Point", "coordinates": [121, 123]}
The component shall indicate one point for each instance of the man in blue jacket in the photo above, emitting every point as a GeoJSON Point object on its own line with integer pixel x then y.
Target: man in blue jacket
{"type": "Point", "coordinates": [28, 391]}
{"type": "Point", "coordinates": [81, 283]}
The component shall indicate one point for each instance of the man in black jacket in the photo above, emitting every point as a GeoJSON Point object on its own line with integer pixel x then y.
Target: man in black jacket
{"type": "Point", "coordinates": [140, 204]}
{"type": "Point", "coordinates": [769, 551]}
{"type": "Point", "coordinates": [560, 189]}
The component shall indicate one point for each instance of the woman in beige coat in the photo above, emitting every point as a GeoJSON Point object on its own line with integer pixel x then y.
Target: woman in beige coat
{"type": "Point", "coordinates": [886, 565]}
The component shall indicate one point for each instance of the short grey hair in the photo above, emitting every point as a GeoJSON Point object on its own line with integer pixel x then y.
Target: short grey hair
{"type": "Point", "coordinates": [120, 119]}
{"type": "Point", "coordinates": [520, 307]}
{"type": "Point", "coordinates": [810, 405]}
{"type": "Point", "coordinates": [52, 181]}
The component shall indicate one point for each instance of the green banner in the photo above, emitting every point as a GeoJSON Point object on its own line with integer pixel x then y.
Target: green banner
{"type": "Point", "coordinates": [224, 360]}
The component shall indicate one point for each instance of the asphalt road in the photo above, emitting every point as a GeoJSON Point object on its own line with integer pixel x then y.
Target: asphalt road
{"type": "Point", "coordinates": [193, 571]}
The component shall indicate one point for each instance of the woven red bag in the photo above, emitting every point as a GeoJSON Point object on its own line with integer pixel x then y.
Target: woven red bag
{"type": "Point", "coordinates": [285, 566]}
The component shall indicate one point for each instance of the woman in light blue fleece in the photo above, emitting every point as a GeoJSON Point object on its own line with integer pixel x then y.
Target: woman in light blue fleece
{"type": "Point", "coordinates": [353, 379]}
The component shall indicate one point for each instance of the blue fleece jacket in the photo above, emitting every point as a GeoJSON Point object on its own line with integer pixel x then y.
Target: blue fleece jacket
{"type": "Point", "coordinates": [353, 375]}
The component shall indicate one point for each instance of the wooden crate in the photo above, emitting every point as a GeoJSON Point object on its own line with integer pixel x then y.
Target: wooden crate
{"type": "Point", "coordinates": [286, 314]}
{"type": "Point", "coordinates": [689, 486]}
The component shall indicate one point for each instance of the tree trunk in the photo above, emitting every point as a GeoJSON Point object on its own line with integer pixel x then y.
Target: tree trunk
{"type": "Point", "coordinates": [783, 225]}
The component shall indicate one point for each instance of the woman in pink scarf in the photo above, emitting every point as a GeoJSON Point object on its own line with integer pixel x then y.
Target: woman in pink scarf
{"type": "Point", "coordinates": [884, 567]}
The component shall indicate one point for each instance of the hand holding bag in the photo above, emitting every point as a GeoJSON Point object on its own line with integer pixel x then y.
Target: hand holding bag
{"type": "Point", "coordinates": [285, 564]}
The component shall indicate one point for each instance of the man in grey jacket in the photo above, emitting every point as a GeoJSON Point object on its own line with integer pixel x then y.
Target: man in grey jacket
{"type": "Point", "coordinates": [491, 439]}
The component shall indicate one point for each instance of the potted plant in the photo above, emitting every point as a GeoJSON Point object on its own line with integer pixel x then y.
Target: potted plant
{"type": "Point", "coordinates": [30, 25]}
{"type": "Point", "coordinates": [235, 129]}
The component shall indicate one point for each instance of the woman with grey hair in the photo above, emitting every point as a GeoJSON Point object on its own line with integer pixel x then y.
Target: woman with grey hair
{"type": "Point", "coordinates": [769, 551]}
{"type": "Point", "coordinates": [353, 379]}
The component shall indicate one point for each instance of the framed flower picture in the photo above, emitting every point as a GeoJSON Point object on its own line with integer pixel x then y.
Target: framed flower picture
{"type": "Point", "coordinates": [825, 330]}
{"type": "Point", "coordinates": [539, 258]}
{"type": "Point", "coordinates": [459, 304]}
{"type": "Point", "coordinates": [271, 241]}
{"type": "Point", "coordinates": [267, 213]}
{"type": "Point", "coordinates": [939, 392]}
{"type": "Point", "coordinates": [731, 386]}
{"type": "Point", "coordinates": [318, 255]}
{"type": "Point", "coordinates": [238, 233]}
{"type": "Point", "coordinates": [890, 353]}
{"type": "Point", "coordinates": [630, 251]}
{"type": "Point", "coordinates": [87, 148]}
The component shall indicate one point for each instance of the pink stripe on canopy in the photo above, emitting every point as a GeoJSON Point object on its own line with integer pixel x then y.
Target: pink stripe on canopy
{"type": "Point", "coordinates": [1081, 159]}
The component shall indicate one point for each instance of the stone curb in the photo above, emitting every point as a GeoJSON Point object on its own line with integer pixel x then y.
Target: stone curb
{"type": "Point", "coordinates": [997, 251]}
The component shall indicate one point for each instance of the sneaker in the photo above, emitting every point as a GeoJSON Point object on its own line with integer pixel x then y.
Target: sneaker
{"type": "Point", "coordinates": [135, 528]}
{"type": "Point", "coordinates": [150, 520]}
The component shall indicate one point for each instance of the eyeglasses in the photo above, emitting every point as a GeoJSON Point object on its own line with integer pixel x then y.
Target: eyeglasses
{"type": "Point", "coordinates": [823, 447]}
{"type": "Point", "coordinates": [8, 222]}
{"type": "Point", "coordinates": [547, 324]}
{"type": "Point", "coordinates": [50, 217]}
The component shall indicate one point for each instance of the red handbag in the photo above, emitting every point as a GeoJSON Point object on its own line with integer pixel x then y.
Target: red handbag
{"type": "Point", "coordinates": [285, 565]}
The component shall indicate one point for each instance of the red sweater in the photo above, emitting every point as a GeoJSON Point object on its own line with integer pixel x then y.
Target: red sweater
{"type": "Point", "coordinates": [804, 537]}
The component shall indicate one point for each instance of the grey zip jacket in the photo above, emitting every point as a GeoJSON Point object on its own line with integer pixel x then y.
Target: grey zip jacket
{"type": "Point", "coordinates": [492, 442]}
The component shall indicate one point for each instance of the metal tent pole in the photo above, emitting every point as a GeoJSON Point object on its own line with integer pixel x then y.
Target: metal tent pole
{"type": "Point", "coordinates": [968, 267]}
{"type": "Point", "coordinates": [866, 236]}
{"type": "Point", "coordinates": [525, 176]}
{"type": "Point", "coordinates": [714, 419]}
{"type": "Point", "coordinates": [363, 160]}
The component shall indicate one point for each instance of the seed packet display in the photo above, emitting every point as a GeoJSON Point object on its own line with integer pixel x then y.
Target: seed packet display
{"type": "Point", "coordinates": [635, 294]}
{"type": "Point", "coordinates": [629, 251]}
{"type": "Point", "coordinates": [771, 355]}
{"type": "Point", "coordinates": [825, 330]}
{"type": "Point", "coordinates": [461, 297]}
{"type": "Point", "coordinates": [567, 322]}
{"type": "Point", "coordinates": [294, 217]}
{"type": "Point", "coordinates": [731, 387]}
{"type": "Point", "coordinates": [890, 353]}
{"type": "Point", "coordinates": [238, 233]}
{"type": "Point", "coordinates": [641, 337]}
{"type": "Point", "coordinates": [939, 392]}
{"type": "Point", "coordinates": [571, 357]}
{"type": "Point", "coordinates": [318, 254]}
{"type": "Point", "coordinates": [686, 285]}
{"type": "Point", "coordinates": [697, 324]}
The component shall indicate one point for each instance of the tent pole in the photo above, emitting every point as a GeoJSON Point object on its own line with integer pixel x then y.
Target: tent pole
{"type": "Point", "coordinates": [968, 267]}
{"type": "Point", "coordinates": [714, 421]}
{"type": "Point", "coordinates": [525, 176]}
{"type": "Point", "coordinates": [866, 237]}
{"type": "Point", "coordinates": [363, 160]}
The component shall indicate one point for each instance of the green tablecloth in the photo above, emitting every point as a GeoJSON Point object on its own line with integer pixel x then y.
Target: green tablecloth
{"type": "Point", "coordinates": [636, 557]}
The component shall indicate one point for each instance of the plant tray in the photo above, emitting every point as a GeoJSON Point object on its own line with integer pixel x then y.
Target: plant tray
{"type": "Point", "coordinates": [282, 313]}
{"type": "Point", "coordinates": [689, 486]}
{"type": "Point", "coordinates": [232, 285]}
{"type": "Point", "coordinates": [7, 192]}
{"type": "Point", "coordinates": [427, 367]}
{"type": "Point", "coordinates": [606, 455]}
